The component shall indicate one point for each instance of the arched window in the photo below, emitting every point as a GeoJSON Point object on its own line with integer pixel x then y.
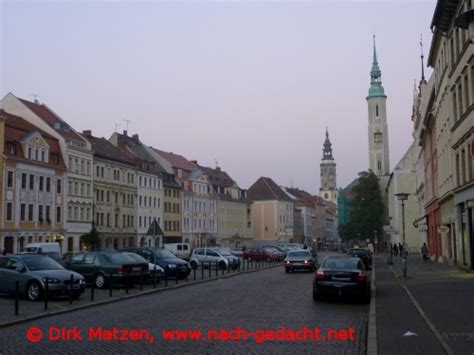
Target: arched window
{"type": "Point", "coordinates": [377, 110]}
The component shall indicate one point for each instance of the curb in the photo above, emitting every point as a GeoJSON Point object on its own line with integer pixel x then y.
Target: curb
{"type": "Point", "coordinates": [423, 315]}
{"type": "Point", "coordinates": [127, 297]}
{"type": "Point", "coordinates": [372, 327]}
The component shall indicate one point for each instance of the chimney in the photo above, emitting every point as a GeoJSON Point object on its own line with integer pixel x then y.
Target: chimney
{"type": "Point", "coordinates": [135, 137]}
{"type": "Point", "coordinates": [218, 169]}
{"type": "Point", "coordinates": [125, 132]}
{"type": "Point", "coordinates": [87, 133]}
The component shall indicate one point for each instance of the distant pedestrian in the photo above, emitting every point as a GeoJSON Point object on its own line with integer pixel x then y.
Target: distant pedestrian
{"type": "Point", "coordinates": [401, 249]}
{"type": "Point", "coordinates": [395, 249]}
{"type": "Point", "coordinates": [424, 251]}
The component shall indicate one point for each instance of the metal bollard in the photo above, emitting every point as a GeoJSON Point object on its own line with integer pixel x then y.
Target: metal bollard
{"type": "Point", "coordinates": [17, 296]}
{"type": "Point", "coordinates": [176, 274]}
{"type": "Point", "coordinates": [210, 268]}
{"type": "Point", "coordinates": [194, 273]}
{"type": "Point", "coordinates": [110, 285]}
{"type": "Point", "coordinates": [186, 277]}
{"type": "Point", "coordinates": [70, 288]}
{"type": "Point", "coordinates": [92, 291]}
{"type": "Point", "coordinates": [166, 277]}
{"type": "Point", "coordinates": [228, 269]}
{"type": "Point", "coordinates": [202, 271]}
{"type": "Point", "coordinates": [217, 270]}
{"type": "Point", "coordinates": [154, 276]}
{"type": "Point", "coordinates": [46, 282]}
{"type": "Point", "coordinates": [127, 279]}
{"type": "Point", "coordinates": [141, 279]}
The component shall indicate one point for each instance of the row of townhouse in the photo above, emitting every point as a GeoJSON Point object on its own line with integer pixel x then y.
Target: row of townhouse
{"type": "Point", "coordinates": [438, 169]}
{"type": "Point", "coordinates": [57, 184]}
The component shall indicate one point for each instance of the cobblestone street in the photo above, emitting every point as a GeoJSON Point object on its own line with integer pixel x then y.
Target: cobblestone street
{"type": "Point", "coordinates": [269, 299]}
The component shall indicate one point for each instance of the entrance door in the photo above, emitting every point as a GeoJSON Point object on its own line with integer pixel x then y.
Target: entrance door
{"type": "Point", "coordinates": [8, 245]}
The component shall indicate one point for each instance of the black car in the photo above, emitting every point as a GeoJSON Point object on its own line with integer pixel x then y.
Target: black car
{"type": "Point", "coordinates": [362, 253]}
{"type": "Point", "coordinates": [173, 266]}
{"type": "Point", "coordinates": [341, 276]}
{"type": "Point", "coordinates": [104, 267]}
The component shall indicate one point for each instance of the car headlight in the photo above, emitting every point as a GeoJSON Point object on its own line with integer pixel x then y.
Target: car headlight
{"type": "Point", "coordinates": [51, 280]}
{"type": "Point", "coordinates": [172, 266]}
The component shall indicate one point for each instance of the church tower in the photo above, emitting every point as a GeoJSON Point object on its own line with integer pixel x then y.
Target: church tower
{"type": "Point", "coordinates": [328, 189]}
{"type": "Point", "coordinates": [379, 157]}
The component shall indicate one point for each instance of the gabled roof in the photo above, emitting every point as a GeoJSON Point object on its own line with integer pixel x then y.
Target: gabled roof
{"type": "Point", "coordinates": [56, 122]}
{"type": "Point", "coordinates": [266, 189]}
{"type": "Point", "coordinates": [16, 129]}
{"type": "Point", "coordinates": [217, 177]}
{"type": "Point", "coordinates": [177, 161]}
{"type": "Point", "coordinates": [331, 206]}
{"type": "Point", "coordinates": [135, 147]}
{"type": "Point", "coordinates": [104, 149]}
{"type": "Point", "coordinates": [305, 198]}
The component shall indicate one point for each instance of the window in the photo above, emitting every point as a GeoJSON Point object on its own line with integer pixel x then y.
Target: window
{"type": "Point", "coordinates": [377, 110]}
{"type": "Point", "coordinates": [41, 183]}
{"type": "Point", "coordinates": [30, 212]}
{"type": "Point", "coordinates": [58, 214]}
{"type": "Point", "coordinates": [40, 213]}
{"type": "Point", "coordinates": [58, 186]}
{"type": "Point", "coordinates": [32, 182]}
{"type": "Point", "coordinates": [22, 212]}
{"type": "Point", "coordinates": [30, 153]}
{"type": "Point", "coordinates": [42, 155]}
{"type": "Point", "coordinates": [9, 216]}
{"type": "Point", "coordinates": [10, 179]}
{"type": "Point", "coordinates": [108, 197]}
{"type": "Point", "coordinates": [97, 172]}
{"type": "Point", "coordinates": [379, 165]}
{"type": "Point", "coordinates": [48, 214]}
{"type": "Point", "coordinates": [23, 180]}
{"type": "Point", "coordinates": [82, 189]}
{"type": "Point", "coordinates": [88, 168]}
{"type": "Point", "coordinates": [48, 184]}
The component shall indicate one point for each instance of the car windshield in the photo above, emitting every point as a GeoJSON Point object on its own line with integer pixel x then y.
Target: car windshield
{"type": "Point", "coordinates": [357, 251]}
{"type": "Point", "coordinates": [136, 257]}
{"type": "Point", "coordinates": [340, 264]}
{"type": "Point", "coordinates": [299, 254]}
{"type": "Point", "coordinates": [115, 258]}
{"type": "Point", "coordinates": [224, 252]}
{"type": "Point", "coordinates": [163, 253]}
{"type": "Point", "coordinates": [41, 263]}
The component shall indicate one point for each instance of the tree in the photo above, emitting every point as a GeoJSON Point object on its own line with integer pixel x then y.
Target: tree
{"type": "Point", "coordinates": [367, 209]}
{"type": "Point", "coordinates": [91, 239]}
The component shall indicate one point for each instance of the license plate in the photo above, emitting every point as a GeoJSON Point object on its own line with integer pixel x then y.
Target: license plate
{"type": "Point", "coordinates": [136, 269]}
{"type": "Point", "coordinates": [76, 287]}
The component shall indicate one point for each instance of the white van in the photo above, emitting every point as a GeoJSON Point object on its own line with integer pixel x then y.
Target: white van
{"type": "Point", "coordinates": [181, 250]}
{"type": "Point", "coordinates": [52, 249]}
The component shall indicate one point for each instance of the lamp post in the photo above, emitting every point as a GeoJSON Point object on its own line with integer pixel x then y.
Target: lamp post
{"type": "Point", "coordinates": [403, 197]}
{"type": "Point", "coordinates": [466, 21]}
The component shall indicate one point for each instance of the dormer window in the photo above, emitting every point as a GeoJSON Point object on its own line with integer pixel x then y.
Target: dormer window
{"type": "Point", "coordinates": [30, 152]}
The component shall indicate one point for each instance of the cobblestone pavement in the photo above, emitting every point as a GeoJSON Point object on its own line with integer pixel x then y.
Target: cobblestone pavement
{"type": "Point", "coordinates": [269, 299]}
{"type": "Point", "coordinates": [28, 308]}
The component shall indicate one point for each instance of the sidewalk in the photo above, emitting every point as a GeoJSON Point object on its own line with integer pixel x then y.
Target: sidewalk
{"type": "Point", "coordinates": [445, 296]}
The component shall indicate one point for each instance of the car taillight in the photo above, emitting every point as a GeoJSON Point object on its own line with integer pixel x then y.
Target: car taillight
{"type": "Point", "coordinates": [121, 270]}
{"type": "Point", "coordinates": [362, 277]}
{"type": "Point", "coordinates": [319, 275]}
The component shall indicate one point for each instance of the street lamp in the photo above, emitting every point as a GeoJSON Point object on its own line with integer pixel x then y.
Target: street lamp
{"type": "Point", "coordinates": [466, 21]}
{"type": "Point", "coordinates": [403, 197]}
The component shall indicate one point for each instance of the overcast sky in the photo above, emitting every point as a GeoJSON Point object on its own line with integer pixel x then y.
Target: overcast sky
{"type": "Point", "coordinates": [251, 84]}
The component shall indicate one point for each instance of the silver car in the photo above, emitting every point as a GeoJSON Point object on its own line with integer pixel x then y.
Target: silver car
{"type": "Point", "coordinates": [32, 271]}
{"type": "Point", "coordinates": [210, 257]}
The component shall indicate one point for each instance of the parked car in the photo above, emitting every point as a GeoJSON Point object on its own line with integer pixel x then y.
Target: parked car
{"type": "Point", "coordinates": [153, 268]}
{"type": "Point", "coordinates": [364, 254]}
{"type": "Point", "coordinates": [276, 250]}
{"type": "Point", "coordinates": [237, 251]}
{"type": "Point", "coordinates": [181, 250]}
{"type": "Point", "coordinates": [260, 254]}
{"type": "Point", "coordinates": [52, 249]}
{"type": "Point", "coordinates": [172, 265]}
{"type": "Point", "coordinates": [224, 259]}
{"type": "Point", "coordinates": [104, 267]}
{"type": "Point", "coordinates": [299, 260]}
{"type": "Point", "coordinates": [341, 276]}
{"type": "Point", "coordinates": [33, 271]}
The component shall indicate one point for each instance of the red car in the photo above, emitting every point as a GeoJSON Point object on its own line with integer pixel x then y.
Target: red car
{"type": "Point", "coordinates": [261, 254]}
